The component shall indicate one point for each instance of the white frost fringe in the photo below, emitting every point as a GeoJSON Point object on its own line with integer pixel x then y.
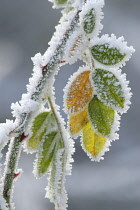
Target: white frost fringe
{"type": "Point", "coordinates": [97, 6]}
{"type": "Point", "coordinates": [56, 190]}
{"type": "Point", "coordinates": [98, 157]}
{"type": "Point", "coordinates": [26, 104]}
{"type": "Point", "coordinates": [77, 44]}
{"type": "Point", "coordinates": [113, 42]}
{"type": "Point", "coordinates": [61, 166]}
{"type": "Point", "coordinates": [66, 88]}
{"type": "Point", "coordinates": [126, 91]}
{"type": "Point", "coordinates": [57, 6]}
{"type": "Point", "coordinates": [113, 136]}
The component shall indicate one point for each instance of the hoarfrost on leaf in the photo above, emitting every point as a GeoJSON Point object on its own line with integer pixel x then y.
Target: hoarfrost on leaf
{"type": "Point", "coordinates": [61, 166]}
{"type": "Point", "coordinates": [93, 97]}
{"type": "Point", "coordinates": [112, 89]}
{"type": "Point", "coordinates": [78, 91]}
{"type": "Point", "coordinates": [94, 144]}
{"type": "Point", "coordinates": [101, 117]}
{"type": "Point", "coordinates": [43, 124]}
{"type": "Point", "coordinates": [77, 44]}
{"type": "Point", "coordinates": [78, 122]}
{"type": "Point", "coordinates": [110, 51]}
{"type": "Point", "coordinates": [90, 18]}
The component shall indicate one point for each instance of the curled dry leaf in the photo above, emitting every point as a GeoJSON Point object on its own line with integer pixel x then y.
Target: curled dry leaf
{"type": "Point", "coordinates": [75, 46]}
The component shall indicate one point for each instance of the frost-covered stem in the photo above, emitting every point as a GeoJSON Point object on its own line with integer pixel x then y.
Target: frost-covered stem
{"type": "Point", "coordinates": [11, 164]}
{"type": "Point", "coordinates": [55, 115]}
{"type": "Point", "coordinates": [15, 144]}
{"type": "Point", "coordinates": [49, 68]}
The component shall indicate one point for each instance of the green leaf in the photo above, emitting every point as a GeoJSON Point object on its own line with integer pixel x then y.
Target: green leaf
{"type": "Point", "coordinates": [108, 88]}
{"type": "Point", "coordinates": [106, 54]}
{"type": "Point", "coordinates": [59, 2]}
{"type": "Point", "coordinates": [101, 117]}
{"type": "Point", "coordinates": [89, 21]}
{"type": "Point", "coordinates": [43, 123]}
{"type": "Point", "coordinates": [56, 181]}
{"type": "Point", "coordinates": [50, 141]}
{"type": "Point", "coordinates": [38, 121]}
{"type": "Point", "coordinates": [49, 146]}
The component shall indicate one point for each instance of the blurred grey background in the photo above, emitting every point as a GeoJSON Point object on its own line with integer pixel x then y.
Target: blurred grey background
{"type": "Point", "coordinates": [26, 26]}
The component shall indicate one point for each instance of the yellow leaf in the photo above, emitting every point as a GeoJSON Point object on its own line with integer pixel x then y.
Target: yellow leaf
{"type": "Point", "coordinates": [79, 93]}
{"type": "Point", "coordinates": [74, 48]}
{"type": "Point", "coordinates": [92, 142]}
{"type": "Point", "coordinates": [77, 122]}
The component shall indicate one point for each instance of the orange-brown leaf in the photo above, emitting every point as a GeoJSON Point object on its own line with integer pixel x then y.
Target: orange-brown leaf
{"type": "Point", "coordinates": [79, 93]}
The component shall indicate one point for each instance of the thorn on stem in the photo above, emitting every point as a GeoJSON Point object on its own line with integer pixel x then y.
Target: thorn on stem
{"type": "Point", "coordinates": [43, 69]}
{"type": "Point", "coordinates": [62, 61]}
{"type": "Point", "coordinates": [23, 136]}
{"type": "Point", "coordinates": [16, 175]}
